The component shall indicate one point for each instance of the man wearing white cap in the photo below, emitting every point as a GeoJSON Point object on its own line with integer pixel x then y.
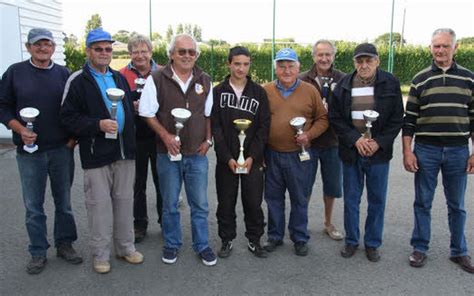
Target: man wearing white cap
{"type": "Point", "coordinates": [290, 97]}
{"type": "Point", "coordinates": [39, 83]}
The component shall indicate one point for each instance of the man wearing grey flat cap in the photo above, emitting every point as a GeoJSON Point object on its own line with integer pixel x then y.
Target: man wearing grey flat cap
{"type": "Point", "coordinates": [39, 83]}
{"type": "Point", "coordinates": [367, 94]}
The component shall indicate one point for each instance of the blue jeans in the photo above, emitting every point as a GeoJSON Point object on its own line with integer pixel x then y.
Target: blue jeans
{"type": "Point", "coordinates": [376, 180]}
{"type": "Point", "coordinates": [34, 169]}
{"type": "Point", "coordinates": [286, 171]}
{"type": "Point", "coordinates": [331, 170]}
{"type": "Point", "coordinates": [452, 162]}
{"type": "Point", "coordinates": [192, 169]}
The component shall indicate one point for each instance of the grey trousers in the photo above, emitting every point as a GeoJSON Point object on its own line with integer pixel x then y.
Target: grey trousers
{"type": "Point", "coordinates": [109, 200]}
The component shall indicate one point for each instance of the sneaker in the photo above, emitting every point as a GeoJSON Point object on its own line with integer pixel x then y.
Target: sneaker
{"type": "Point", "coordinates": [301, 249]}
{"type": "Point", "coordinates": [133, 258]}
{"type": "Point", "coordinates": [257, 250]}
{"type": "Point", "coordinates": [464, 262]}
{"type": "Point", "coordinates": [140, 235]}
{"type": "Point", "coordinates": [101, 266]}
{"type": "Point", "coordinates": [208, 257]}
{"type": "Point", "coordinates": [272, 244]}
{"type": "Point", "coordinates": [36, 264]}
{"type": "Point", "coordinates": [348, 251]}
{"type": "Point", "coordinates": [372, 254]}
{"type": "Point", "coordinates": [169, 255]}
{"type": "Point", "coordinates": [67, 252]}
{"type": "Point", "coordinates": [225, 250]}
{"type": "Point", "coordinates": [417, 259]}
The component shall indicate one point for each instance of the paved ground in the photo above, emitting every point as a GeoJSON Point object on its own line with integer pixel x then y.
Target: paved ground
{"type": "Point", "coordinates": [322, 272]}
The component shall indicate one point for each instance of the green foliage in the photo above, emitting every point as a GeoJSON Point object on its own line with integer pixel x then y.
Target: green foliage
{"type": "Point", "coordinates": [409, 60]}
{"type": "Point", "coordinates": [466, 41]}
{"type": "Point", "coordinates": [93, 23]}
{"type": "Point", "coordinates": [384, 39]}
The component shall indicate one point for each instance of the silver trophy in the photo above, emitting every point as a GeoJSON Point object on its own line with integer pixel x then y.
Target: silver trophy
{"type": "Point", "coordinates": [369, 117]}
{"type": "Point", "coordinates": [180, 115]}
{"type": "Point", "coordinates": [241, 125]}
{"type": "Point", "coordinates": [115, 95]}
{"type": "Point", "coordinates": [29, 115]}
{"type": "Point", "coordinates": [140, 83]}
{"type": "Point", "coordinates": [298, 123]}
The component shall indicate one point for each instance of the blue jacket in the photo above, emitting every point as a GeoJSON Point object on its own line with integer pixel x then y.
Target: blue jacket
{"type": "Point", "coordinates": [83, 108]}
{"type": "Point", "coordinates": [389, 105]}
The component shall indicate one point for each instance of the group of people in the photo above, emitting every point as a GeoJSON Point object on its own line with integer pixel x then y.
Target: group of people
{"type": "Point", "coordinates": [269, 138]}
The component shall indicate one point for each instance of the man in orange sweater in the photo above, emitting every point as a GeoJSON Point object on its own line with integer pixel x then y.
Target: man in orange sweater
{"type": "Point", "coordinates": [290, 97]}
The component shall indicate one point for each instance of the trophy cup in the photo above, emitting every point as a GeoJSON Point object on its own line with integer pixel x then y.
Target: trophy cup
{"type": "Point", "coordinates": [140, 83]}
{"type": "Point", "coordinates": [297, 123]}
{"type": "Point", "coordinates": [115, 95]}
{"type": "Point", "coordinates": [369, 117]}
{"type": "Point", "coordinates": [29, 115]}
{"type": "Point", "coordinates": [180, 116]}
{"type": "Point", "coordinates": [241, 125]}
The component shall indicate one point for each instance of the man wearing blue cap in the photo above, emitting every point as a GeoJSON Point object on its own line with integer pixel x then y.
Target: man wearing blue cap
{"type": "Point", "coordinates": [108, 162]}
{"type": "Point", "coordinates": [367, 94]}
{"type": "Point", "coordinates": [39, 83]}
{"type": "Point", "coordinates": [290, 97]}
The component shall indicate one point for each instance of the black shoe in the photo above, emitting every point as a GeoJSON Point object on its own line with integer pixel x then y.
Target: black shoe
{"type": "Point", "coordinates": [464, 262]}
{"type": "Point", "coordinates": [140, 235]}
{"type": "Point", "coordinates": [257, 250]}
{"type": "Point", "coordinates": [67, 252]}
{"type": "Point", "coordinates": [271, 245]}
{"type": "Point", "coordinates": [225, 250]}
{"type": "Point", "coordinates": [301, 249]}
{"type": "Point", "coordinates": [36, 265]}
{"type": "Point", "coordinates": [348, 251]}
{"type": "Point", "coordinates": [417, 259]}
{"type": "Point", "coordinates": [372, 254]}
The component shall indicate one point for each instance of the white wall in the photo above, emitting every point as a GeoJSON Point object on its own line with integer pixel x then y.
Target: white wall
{"type": "Point", "coordinates": [17, 17]}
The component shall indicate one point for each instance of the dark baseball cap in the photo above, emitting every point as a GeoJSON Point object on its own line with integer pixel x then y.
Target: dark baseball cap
{"type": "Point", "coordinates": [365, 49]}
{"type": "Point", "coordinates": [37, 34]}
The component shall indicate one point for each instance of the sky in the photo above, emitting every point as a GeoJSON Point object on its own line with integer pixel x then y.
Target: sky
{"type": "Point", "coordinates": [304, 20]}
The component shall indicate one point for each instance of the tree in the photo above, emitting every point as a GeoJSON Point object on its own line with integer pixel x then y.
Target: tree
{"type": "Point", "coordinates": [214, 42]}
{"type": "Point", "coordinates": [70, 40]}
{"type": "Point", "coordinates": [155, 36]}
{"type": "Point", "coordinates": [384, 39]}
{"type": "Point", "coordinates": [179, 29]}
{"type": "Point", "coordinates": [93, 23]}
{"type": "Point", "coordinates": [169, 33]}
{"type": "Point", "coordinates": [466, 41]}
{"type": "Point", "coordinates": [197, 33]}
{"type": "Point", "coordinates": [122, 36]}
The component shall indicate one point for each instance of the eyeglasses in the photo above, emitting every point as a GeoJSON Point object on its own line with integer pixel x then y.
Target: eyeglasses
{"type": "Point", "coordinates": [182, 52]}
{"type": "Point", "coordinates": [102, 49]}
{"type": "Point", "coordinates": [140, 52]}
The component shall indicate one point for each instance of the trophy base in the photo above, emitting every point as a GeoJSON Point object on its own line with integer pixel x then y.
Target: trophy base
{"type": "Point", "coordinates": [304, 156]}
{"type": "Point", "coordinates": [241, 170]}
{"type": "Point", "coordinates": [111, 136]}
{"type": "Point", "coordinates": [177, 157]}
{"type": "Point", "coordinates": [30, 149]}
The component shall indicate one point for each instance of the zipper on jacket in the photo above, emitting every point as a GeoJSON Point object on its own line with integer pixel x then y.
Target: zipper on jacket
{"type": "Point", "coordinates": [92, 145]}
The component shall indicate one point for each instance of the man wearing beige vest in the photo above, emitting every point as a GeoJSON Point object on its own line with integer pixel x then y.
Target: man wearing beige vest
{"type": "Point", "coordinates": [368, 93]}
{"type": "Point", "coordinates": [181, 84]}
{"type": "Point", "coordinates": [290, 97]}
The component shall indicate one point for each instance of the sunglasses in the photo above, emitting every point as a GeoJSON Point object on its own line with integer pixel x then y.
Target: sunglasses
{"type": "Point", "coordinates": [102, 49]}
{"type": "Point", "coordinates": [182, 52]}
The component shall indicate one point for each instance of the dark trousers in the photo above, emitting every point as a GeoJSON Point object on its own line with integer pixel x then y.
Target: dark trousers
{"type": "Point", "coordinates": [145, 153]}
{"type": "Point", "coordinates": [227, 185]}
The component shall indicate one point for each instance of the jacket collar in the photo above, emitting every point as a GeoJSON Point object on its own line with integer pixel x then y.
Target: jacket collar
{"type": "Point", "coordinates": [380, 77]}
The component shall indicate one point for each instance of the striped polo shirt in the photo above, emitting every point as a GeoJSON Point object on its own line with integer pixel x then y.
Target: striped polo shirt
{"type": "Point", "coordinates": [362, 99]}
{"type": "Point", "coordinates": [440, 108]}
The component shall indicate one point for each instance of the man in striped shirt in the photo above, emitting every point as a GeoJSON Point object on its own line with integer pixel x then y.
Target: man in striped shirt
{"type": "Point", "coordinates": [439, 114]}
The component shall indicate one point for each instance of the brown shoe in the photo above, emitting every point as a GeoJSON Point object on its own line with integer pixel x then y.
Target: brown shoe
{"type": "Point", "coordinates": [348, 251]}
{"type": "Point", "coordinates": [417, 259]}
{"type": "Point", "coordinates": [372, 254]}
{"type": "Point", "coordinates": [464, 261]}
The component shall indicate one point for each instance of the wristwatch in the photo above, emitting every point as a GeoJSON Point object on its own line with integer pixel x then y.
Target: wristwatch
{"type": "Point", "coordinates": [209, 141]}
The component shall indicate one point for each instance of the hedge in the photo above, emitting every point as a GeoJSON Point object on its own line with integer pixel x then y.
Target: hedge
{"type": "Point", "coordinates": [409, 60]}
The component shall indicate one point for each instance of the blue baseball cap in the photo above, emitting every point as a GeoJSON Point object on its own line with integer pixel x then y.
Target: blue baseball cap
{"type": "Point", "coordinates": [98, 35]}
{"type": "Point", "coordinates": [286, 54]}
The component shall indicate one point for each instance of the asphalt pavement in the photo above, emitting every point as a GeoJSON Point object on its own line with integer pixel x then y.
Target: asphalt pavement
{"type": "Point", "coordinates": [322, 272]}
